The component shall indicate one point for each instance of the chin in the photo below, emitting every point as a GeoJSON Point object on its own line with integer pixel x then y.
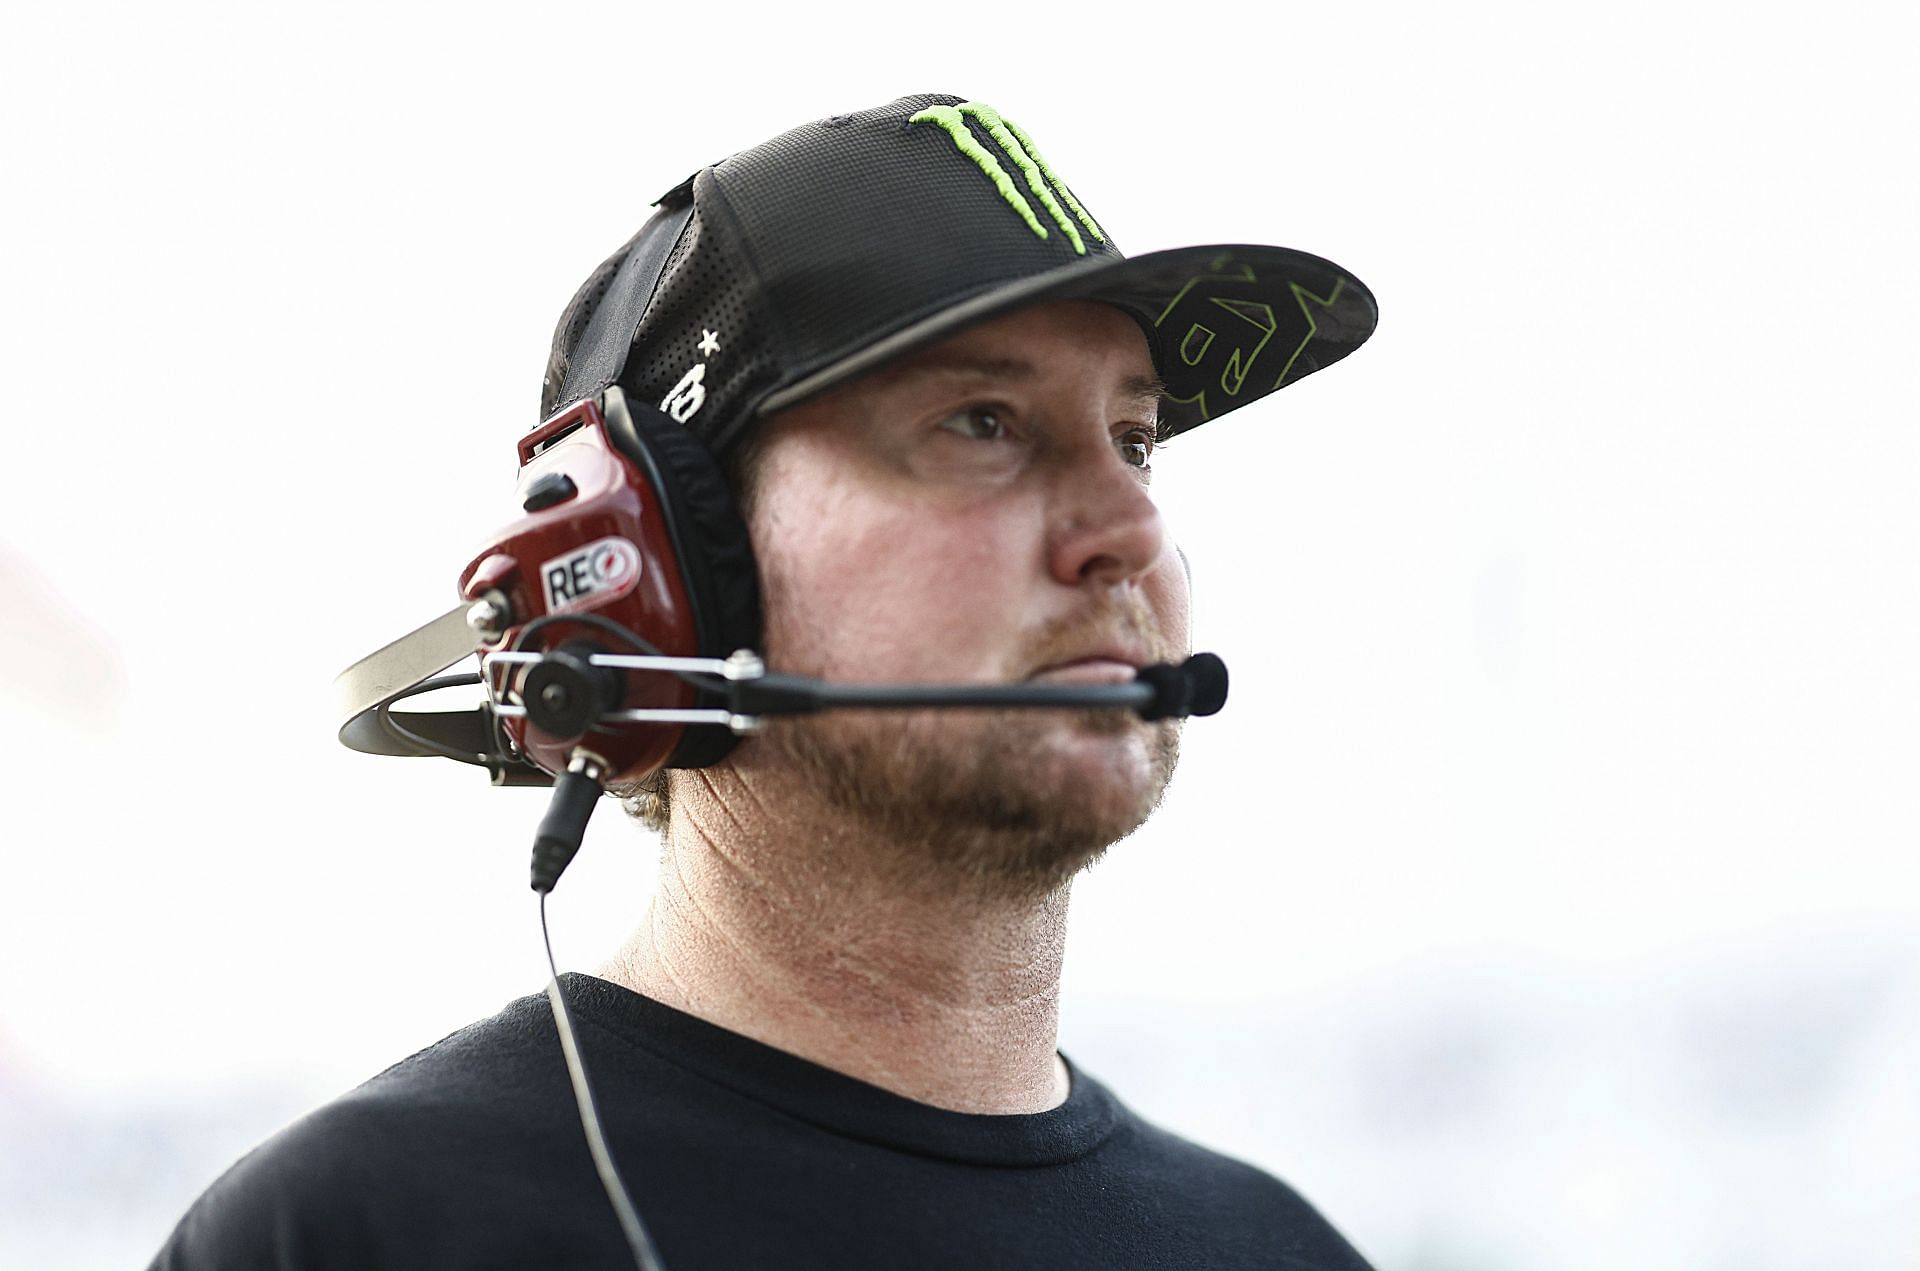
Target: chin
{"type": "Point", "coordinates": [1117, 774]}
{"type": "Point", "coordinates": [1016, 802]}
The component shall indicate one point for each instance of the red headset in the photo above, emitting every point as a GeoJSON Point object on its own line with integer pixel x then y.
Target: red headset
{"type": "Point", "coordinates": [630, 557]}
{"type": "Point", "coordinates": [628, 522]}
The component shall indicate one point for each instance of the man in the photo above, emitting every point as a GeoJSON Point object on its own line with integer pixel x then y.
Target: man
{"type": "Point", "coordinates": [831, 1041]}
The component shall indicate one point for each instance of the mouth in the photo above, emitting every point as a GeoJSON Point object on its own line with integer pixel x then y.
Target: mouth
{"type": "Point", "coordinates": [1104, 666]}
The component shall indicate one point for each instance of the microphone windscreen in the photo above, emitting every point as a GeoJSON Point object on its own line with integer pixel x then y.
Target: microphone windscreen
{"type": "Point", "coordinates": [1206, 677]}
{"type": "Point", "coordinates": [1170, 691]}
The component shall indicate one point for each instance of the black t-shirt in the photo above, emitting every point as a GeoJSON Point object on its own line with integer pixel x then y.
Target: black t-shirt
{"type": "Point", "coordinates": [470, 1155]}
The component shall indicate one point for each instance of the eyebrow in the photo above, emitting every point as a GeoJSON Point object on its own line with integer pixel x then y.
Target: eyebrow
{"type": "Point", "coordinates": [1141, 388]}
{"type": "Point", "coordinates": [1145, 388]}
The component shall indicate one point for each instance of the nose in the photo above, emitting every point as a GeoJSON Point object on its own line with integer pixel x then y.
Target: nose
{"type": "Point", "coordinates": [1106, 528]}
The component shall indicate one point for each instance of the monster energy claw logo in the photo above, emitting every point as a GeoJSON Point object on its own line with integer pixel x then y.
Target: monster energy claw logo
{"type": "Point", "coordinates": [1024, 155]}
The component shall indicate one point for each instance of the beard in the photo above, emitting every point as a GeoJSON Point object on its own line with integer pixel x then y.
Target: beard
{"type": "Point", "coordinates": [986, 800]}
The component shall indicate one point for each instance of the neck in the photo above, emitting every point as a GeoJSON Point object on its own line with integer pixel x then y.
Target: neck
{"type": "Point", "coordinates": [810, 937]}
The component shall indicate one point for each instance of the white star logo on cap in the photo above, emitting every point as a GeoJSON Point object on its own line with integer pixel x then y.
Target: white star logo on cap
{"type": "Point", "coordinates": [709, 342]}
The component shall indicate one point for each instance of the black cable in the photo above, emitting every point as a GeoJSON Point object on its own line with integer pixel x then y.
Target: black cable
{"type": "Point", "coordinates": [645, 1256]}
{"type": "Point", "coordinates": [576, 792]}
{"type": "Point", "coordinates": [597, 621]}
{"type": "Point", "coordinates": [701, 680]}
{"type": "Point", "coordinates": [399, 732]}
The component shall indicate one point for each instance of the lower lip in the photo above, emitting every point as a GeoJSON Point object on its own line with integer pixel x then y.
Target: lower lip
{"type": "Point", "coordinates": [1091, 671]}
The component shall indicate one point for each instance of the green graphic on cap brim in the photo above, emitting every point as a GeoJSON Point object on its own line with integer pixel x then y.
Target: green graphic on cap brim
{"type": "Point", "coordinates": [1257, 316]}
{"type": "Point", "coordinates": [1336, 314]}
{"type": "Point", "coordinates": [1300, 296]}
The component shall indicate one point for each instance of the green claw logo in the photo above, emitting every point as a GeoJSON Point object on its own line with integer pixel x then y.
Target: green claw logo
{"type": "Point", "coordinates": [1045, 184]}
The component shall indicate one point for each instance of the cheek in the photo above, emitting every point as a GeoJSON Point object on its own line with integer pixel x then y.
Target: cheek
{"type": "Point", "coordinates": [860, 586]}
{"type": "Point", "coordinates": [1171, 598]}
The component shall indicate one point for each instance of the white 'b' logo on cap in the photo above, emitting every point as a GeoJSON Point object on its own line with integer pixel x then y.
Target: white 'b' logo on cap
{"type": "Point", "coordinates": [688, 396]}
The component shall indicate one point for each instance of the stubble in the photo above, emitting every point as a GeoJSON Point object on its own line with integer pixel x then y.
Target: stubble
{"type": "Point", "coordinates": [979, 799]}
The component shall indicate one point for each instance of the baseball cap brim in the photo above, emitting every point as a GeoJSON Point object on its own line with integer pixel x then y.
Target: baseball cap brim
{"type": "Point", "coordinates": [1226, 323]}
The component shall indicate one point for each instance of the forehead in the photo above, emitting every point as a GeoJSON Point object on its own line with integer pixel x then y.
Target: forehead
{"type": "Point", "coordinates": [1073, 344]}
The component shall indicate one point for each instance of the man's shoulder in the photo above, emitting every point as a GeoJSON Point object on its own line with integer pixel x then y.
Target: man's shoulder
{"type": "Point", "coordinates": [1161, 1150]}
{"type": "Point", "coordinates": [1250, 1213]}
{"type": "Point", "coordinates": [325, 1189]}
{"type": "Point", "coordinates": [476, 1088]}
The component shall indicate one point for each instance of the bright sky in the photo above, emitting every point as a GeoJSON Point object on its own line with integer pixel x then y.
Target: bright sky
{"type": "Point", "coordinates": [1572, 621]}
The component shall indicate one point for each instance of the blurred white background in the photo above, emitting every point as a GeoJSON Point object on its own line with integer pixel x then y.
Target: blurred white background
{"type": "Point", "coordinates": [1546, 896]}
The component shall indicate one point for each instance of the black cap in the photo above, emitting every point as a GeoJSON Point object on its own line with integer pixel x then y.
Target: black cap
{"type": "Point", "coordinates": [798, 264]}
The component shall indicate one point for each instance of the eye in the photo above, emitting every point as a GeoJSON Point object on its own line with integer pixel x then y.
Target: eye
{"type": "Point", "coordinates": [977, 423]}
{"type": "Point", "coordinates": [1135, 446]}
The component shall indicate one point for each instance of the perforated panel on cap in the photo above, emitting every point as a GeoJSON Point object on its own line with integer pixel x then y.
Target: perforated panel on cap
{"type": "Point", "coordinates": [706, 313]}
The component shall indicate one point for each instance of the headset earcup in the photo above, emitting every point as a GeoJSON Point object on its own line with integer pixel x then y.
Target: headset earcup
{"type": "Point", "coordinates": [716, 555]}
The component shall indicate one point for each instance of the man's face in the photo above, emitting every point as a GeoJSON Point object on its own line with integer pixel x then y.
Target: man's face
{"type": "Point", "coordinates": [977, 512]}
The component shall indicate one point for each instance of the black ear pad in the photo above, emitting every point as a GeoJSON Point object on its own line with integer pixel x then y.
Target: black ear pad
{"type": "Point", "coordinates": [710, 539]}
